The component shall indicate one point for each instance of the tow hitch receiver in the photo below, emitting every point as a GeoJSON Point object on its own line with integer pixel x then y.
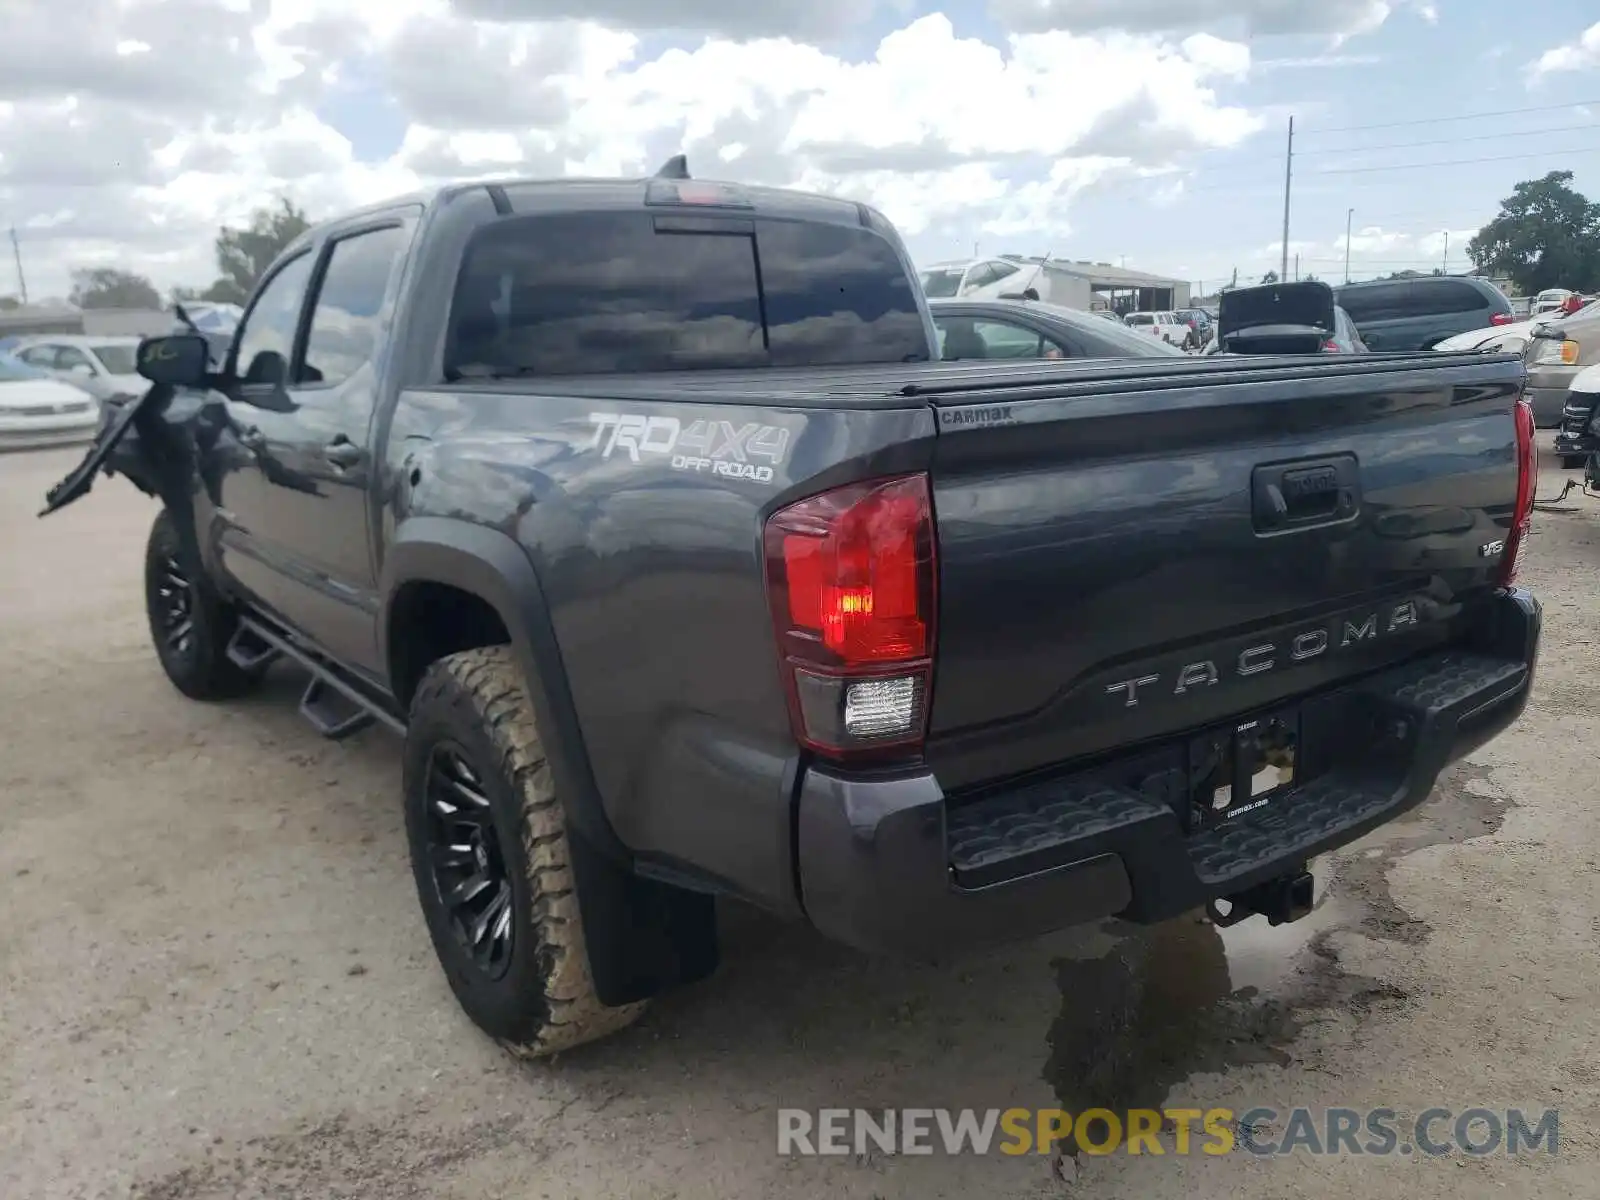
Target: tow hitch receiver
{"type": "Point", "coordinates": [1281, 900]}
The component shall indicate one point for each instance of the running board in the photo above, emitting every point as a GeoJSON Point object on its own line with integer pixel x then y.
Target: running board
{"type": "Point", "coordinates": [248, 651]}
{"type": "Point", "coordinates": [331, 713]}
{"type": "Point", "coordinates": [335, 708]}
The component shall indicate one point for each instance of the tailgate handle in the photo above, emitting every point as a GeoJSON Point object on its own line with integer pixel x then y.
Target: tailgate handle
{"type": "Point", "coordinates": [1305, 494]}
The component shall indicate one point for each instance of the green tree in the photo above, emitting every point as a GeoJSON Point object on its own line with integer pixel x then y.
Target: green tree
{"type": "Point", "coordinates": [8, 303]}
{"type": "Point", "coordinates": [1270, 277]}
{"type": "Point", "coordinates": [243, 254]}
{"type": "Point", "coordinates": [1546, 235]}
{"type": "Point", "coordinates": [109, 287]}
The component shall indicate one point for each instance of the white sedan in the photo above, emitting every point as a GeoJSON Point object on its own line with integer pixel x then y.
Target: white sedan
{"type": "Point", "coordinates": [1490, 338]}
{"type": "Point", "coordinates": [102, 366]}
{"type": "Point", "coordinates": [36, 410]}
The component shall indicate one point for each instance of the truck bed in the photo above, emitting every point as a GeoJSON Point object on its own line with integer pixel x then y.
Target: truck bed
{"type": "Point", "coordinates": [1106, 573]}
{"type": "Point", "coordinates": [891, 385]}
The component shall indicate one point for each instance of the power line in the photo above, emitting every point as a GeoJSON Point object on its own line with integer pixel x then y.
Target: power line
{"type": "Point", "coordinates": [1477, 137]}
{"type": "Point", "coordinates": [1457, 162]}
{"type": "Point", "coordinates": [1236, 184]}
{"type": "Point", "coordinates": [1502, 112]}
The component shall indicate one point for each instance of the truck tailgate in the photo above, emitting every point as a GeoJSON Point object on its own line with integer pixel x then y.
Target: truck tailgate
{"type": "Point", "coordinates": [1123, 557]}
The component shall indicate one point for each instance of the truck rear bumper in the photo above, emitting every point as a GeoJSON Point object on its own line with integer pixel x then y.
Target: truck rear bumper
{"type": "Point", "coordinates": [893, 865]}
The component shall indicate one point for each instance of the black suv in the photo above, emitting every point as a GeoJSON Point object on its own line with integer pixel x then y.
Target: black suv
{"type": "Point", "coordinates": [1414, 314]}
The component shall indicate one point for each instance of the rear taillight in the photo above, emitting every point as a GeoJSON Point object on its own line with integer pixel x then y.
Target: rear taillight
{"type": "Point", "coordinates": [1501, 319]}
{"type": "Point", "coordinates": [1330, 347]}
{"type": "Point", "coordinates": [1527, 481]}
{"type": "Point", "coordinates": [851, 579]}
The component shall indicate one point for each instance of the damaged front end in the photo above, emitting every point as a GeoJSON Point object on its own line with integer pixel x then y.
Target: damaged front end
{"type": "Point", "coordinates": [149, 441]}
{"type": "Point", "coordinates": [156, 440]}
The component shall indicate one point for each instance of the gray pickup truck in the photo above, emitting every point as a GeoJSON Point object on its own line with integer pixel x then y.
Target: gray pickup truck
{"type": "Point", "coordinates": [643, 511]}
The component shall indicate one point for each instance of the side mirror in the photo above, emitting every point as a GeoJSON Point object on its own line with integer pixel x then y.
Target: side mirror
{"type": "Point", "coordinates": [179, 359]}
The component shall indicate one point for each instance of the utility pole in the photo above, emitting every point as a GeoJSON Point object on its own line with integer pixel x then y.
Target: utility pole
{"type": "Point", "coordinates": [1288, 179]}
{"type": "Point", "coordinates": [1349, 213]}
{"type": "Point", "coordinates": [1444, 267]}
{"type": "Point", "coordinates": [1297, 265]}
{"type": "Point", "coordinates": [22, 280]}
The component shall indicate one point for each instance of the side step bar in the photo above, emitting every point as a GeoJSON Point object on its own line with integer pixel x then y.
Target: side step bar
{"type": "Point", "coordinates": [335, 708]}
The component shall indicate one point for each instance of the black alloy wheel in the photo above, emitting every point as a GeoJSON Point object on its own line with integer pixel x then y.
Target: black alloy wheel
{"type": "Point", "coordinates": [466, 862]}
{"type": "Point", "coordinates": [174, 610]}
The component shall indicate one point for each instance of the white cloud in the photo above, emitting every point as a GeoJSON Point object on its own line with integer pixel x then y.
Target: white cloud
{"type": "Point", "coordinates": [1578, 55]}
{"type": "Point", "coordinates": [1340, 18]}
{"type": "Point", "coordinates": [130, 130]}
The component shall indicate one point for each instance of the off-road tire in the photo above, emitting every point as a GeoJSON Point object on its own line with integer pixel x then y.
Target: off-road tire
{"type": "Point", "coordinates": [476, 703]}
{"type": "Point", "coordinates": [1571, 462]}
{"type": "Point", "coordinates": [194, 653]}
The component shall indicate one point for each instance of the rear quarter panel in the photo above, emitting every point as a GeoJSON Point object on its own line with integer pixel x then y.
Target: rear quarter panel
{"type": "Point", "coordinates": [643, 522]}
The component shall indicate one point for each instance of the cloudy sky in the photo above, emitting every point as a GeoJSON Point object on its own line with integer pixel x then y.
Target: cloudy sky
{"type": "Point", "coordinates": [1144, 131]}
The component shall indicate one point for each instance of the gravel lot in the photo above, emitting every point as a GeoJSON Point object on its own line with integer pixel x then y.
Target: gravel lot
{"type": "Point", "coordinates": [214, 980]}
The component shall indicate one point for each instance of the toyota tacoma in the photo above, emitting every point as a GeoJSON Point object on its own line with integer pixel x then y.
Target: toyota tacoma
{"type": "Point", "coordinates": [645, 513]}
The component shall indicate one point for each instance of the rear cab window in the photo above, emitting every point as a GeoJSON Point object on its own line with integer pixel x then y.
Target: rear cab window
{"type": "Point", "coordinates": [632, 291]}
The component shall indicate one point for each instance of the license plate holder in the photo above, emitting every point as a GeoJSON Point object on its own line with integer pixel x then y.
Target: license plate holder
{"type": "Point", "coordinates": [1245, 767]}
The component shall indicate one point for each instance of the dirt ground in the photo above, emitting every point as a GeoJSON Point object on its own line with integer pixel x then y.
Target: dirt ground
{"type": "Point", "coordinates": [214, 980]}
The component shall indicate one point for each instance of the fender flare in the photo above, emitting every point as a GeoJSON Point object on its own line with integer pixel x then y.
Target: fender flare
{"type": "Point", "coordinates": [492, 566]}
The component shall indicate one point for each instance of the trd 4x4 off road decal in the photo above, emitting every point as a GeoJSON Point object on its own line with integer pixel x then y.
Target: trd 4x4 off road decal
{"type": "Point", "coordinates": [738, 451]}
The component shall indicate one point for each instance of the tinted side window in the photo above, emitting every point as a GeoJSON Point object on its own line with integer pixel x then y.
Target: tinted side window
{"type": "Point", "coordinates": [837, 294]}
{"type": "Point", "coordinates": [349, 305]}
{"type": "Point", "coordinates": [1448, 296]}
{"type": "Point", "coordinates": [266, 338]}
{"type": "Point", "coordinates": [595, 293]}
{"type": "Point", "coordinates": [1376, 301]}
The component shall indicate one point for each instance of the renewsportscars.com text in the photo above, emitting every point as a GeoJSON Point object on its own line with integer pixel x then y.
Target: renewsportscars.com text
{"type": "Point", "coordinates": [1177, 1131]}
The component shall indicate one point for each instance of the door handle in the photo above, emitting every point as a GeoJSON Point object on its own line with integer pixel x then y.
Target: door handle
{"type": "Point", "coordinates": [342, 452]}
{"type": "Point", "coordinates": [1306, 494]}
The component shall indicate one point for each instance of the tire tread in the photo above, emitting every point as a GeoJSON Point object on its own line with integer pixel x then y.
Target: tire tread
{"type": "Point", "coordinates": [485, 686]}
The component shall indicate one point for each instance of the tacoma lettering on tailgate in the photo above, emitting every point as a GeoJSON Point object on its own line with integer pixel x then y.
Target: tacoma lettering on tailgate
{"type": "Point", "coordinates": [1270, 654]}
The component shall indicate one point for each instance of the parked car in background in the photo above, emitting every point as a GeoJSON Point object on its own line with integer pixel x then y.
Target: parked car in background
{"type": "Point", "coordinates": [1167, 326]}
{"type": "Point", "coordinates": [103, 366]}
{"type": "Point", "coordinates": [1558, 348]}
{"type": "Point", "coordinates": [1020, 329]}
{"type": "Point", "coordinates": [38, 410]}
{"type": "Point", "coordinates": [966, 276]}
{"type": "Point", "coordinates": [1284, 318]}
{"type": "Point", "coordinates": [1512, 339]}
{"type": "Point", "coordinates": [1201, 322]}
{"type": "Point", "coordinates": [1418, 313]}
{"type": "Point", "coordinates": [1579, 436]}
{"type": "Point", "coordinates": [1548, 301]}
